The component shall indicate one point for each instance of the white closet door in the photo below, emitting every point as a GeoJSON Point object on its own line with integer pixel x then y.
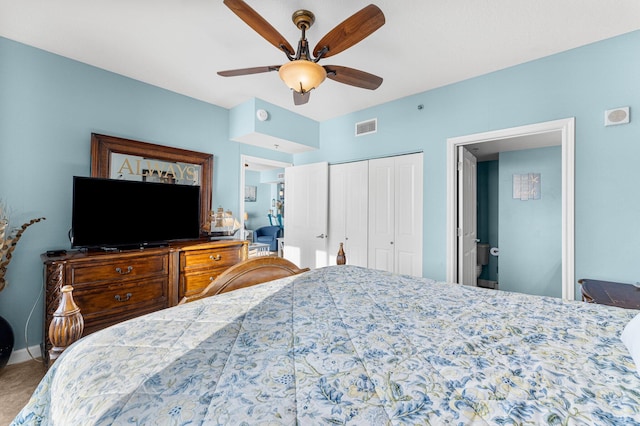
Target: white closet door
{"type": "Point", "coordinates": [381, 214]}
{"type": "Point", "coordinates": [348, 211]}
{"type": "Point", "coordinates": [305, 219]}
{"type": "Point", "coordinates": [408, 214]}
{"type": "Point", "coordinates": [357, 214]}
{"type": "Point", "coordinates": [395, 214]}
{"type": "Point", "coordinates": [337, 208]}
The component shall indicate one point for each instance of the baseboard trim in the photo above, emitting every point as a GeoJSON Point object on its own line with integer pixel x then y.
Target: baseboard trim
{"type": "Point", "coordinates": [21, 355]}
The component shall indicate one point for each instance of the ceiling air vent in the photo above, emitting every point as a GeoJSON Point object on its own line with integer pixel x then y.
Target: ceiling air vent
{"type": "Point", "coordinates": [366, 127]}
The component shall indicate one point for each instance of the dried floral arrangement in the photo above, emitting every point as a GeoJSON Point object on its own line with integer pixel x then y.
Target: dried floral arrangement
{"type": "Point", "coordinates": [8, 240]}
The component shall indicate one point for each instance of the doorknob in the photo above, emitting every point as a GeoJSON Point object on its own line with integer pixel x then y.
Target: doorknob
{"type": "Point", "coordinates": [320, 236]}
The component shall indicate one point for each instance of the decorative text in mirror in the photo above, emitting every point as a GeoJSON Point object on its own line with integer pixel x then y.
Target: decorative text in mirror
{"type": "Point", "coordinates": [133, 167]}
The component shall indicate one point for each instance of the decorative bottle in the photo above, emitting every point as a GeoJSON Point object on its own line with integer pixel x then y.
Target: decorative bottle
{"type": "Point", "coordinates": [341, 259]}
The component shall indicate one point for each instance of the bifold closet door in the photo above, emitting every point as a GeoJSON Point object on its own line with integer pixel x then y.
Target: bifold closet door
{"type": "Point", "coordinates": [395, 214]}
{"type": "Point", "coordinates": [348, 211]}
{"type": "Point", "coordinates": [382, 214]}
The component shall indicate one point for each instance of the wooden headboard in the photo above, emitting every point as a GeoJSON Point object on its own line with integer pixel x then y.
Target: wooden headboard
{"type": "Point", "coordinates": [250, 272]}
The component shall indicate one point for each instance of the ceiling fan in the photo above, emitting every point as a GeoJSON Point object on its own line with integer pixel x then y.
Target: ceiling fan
{"type": "Point", "coordinates": [303, 73]}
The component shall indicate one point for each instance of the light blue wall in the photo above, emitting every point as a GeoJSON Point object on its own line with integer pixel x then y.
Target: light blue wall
{"type": "Point", "coordinates": [258, 210]}
{"type": "Point", "coordinates": [530, 238]}
{"type": "Point", "coordinates": [242, 119]}
{"type": "Point", "coordinates": [579, 83]}
{"type": "Point", "coordinates": [49, 106]}
{"type": "Point", "coordinates": [281, 123]}
{"type": "Point", "coordinates": [287, 125]}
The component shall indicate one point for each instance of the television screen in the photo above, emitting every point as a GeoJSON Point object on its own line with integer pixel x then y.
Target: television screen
{"type": "Point", "coordinates": [115, 213]}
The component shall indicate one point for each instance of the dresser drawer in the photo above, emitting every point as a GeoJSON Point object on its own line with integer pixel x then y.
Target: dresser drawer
{"type": "Point", "coordinates": [107, 300]}
{"type": "Point", "coordinates": [210, 258]}
{"type": "Point", "coordinates": [116, 270]}
{"type": "Point", "coordinates": [193, 283]}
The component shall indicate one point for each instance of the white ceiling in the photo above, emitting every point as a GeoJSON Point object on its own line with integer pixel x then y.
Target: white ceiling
{"type": "Point", "coordinates": [181, 44]}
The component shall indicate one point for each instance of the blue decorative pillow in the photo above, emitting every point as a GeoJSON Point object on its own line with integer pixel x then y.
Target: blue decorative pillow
{"type": "Point", "coordinates": [631, 338]}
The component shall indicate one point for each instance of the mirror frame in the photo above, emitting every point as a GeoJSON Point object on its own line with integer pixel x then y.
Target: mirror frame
{"type": "Point", "coordinates": [102, 146]}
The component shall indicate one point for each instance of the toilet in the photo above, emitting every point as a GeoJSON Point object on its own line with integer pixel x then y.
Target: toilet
{"type": "Point", "coordinates": [482, 250]}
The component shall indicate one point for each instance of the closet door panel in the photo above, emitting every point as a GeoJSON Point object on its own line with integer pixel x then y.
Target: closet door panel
{"type": "Point", "coordinates": [381, 214]}
{"type": "Point", "coordinates": [357, 213]}
{"type": "Point", "coordinates": [337, 208]}
{"type": "Point", "coordinates": [408, 214]}
{"type": "Point", "coordinates": [348, 211]}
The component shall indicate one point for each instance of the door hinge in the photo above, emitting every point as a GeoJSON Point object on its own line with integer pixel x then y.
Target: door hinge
{"type": "Point", "coordinates": [458, 232]}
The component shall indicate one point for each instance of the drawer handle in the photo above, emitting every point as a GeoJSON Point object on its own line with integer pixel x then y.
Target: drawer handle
{"type": "Point", "coordinates": [128, 271]}
{"type": "Point", "coordinates": [120, 299]}
{"type": "Point", "coordinates": [216, 257]}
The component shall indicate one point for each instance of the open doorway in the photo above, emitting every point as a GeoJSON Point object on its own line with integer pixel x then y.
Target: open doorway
{"type": "Point", "coordinates": [261, 198]}
{"type": "Point", "coordinates": [513, 139]}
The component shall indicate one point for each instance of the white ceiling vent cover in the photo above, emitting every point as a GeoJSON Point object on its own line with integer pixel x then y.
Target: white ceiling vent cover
{"type": "Point", "coordinates": [367, 127]}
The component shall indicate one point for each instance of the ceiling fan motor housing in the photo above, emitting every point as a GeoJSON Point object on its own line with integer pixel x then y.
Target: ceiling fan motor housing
{"type": "Point", "coordinates": [303, 19]}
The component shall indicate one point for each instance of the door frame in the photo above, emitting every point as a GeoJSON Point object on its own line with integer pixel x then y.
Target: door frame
{"type": "Point", "coordinates": [244, 159]}
{"type": "Point", "coordinates": [567, 129]}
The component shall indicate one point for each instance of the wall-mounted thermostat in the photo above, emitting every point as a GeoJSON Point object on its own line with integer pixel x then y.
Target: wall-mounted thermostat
{"type": "Point", "coordinates": [262, 115]}
{"type": "Point", "coordinates": [616, 116]}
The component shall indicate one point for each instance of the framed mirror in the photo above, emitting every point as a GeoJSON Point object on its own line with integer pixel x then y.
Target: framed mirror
{"type": "Point", "coordinates": [118, 158]}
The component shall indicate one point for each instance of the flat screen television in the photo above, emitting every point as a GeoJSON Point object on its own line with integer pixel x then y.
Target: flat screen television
{"type": "Point", "coordinates": [113, 213]}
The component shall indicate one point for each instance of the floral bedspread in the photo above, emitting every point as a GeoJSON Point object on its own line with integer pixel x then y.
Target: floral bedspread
{"type": "Point", "coordinates": [347, 345]}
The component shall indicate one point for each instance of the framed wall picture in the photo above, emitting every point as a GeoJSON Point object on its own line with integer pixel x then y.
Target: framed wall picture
{"type": "Point", "coordinates": [250, 193]}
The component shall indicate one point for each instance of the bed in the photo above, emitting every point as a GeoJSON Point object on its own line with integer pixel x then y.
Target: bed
{"type": "Point", "coordinates": [349, 345]}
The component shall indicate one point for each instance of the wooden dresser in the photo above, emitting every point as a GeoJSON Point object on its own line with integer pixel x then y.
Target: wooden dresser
{"type": "Point", "coordinates": [110, 287]}
{"type": "Point", "coordinates": [200, 264]}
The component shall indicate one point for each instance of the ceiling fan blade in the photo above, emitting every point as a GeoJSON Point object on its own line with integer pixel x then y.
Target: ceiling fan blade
{"type": "Point", "coordinates": [351, 31]}
{"type": "Point", "coordinates": [247, 71]}
{"type": "Point", "coordinates": [259, 24]}
{"type": "Point", "coordinates": [301, 98]}
{"type": "Point", "coordinates": [353, 77]}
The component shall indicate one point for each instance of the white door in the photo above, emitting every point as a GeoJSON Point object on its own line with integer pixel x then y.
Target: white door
{"type": "Point", "coordinates": [348, 211]}
{"type": "Point", "coordinates": [305, 219]}
{"type": "Point", "coordinates": [467, 217]}
{"type": "Point", "coordinates": [382, 214]}
{"type": "Point", "coordinates": [396, 214]}
{"type": "Point", "coordinates": [408, 214]}
{"type": "Point", "coordinates": [337, 208]}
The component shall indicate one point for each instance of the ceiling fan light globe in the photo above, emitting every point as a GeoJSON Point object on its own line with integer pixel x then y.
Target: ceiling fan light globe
{"type": "Point", "coordinates": [302, 75]}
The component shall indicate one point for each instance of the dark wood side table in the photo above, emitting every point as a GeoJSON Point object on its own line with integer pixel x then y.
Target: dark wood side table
{"type": "Point", "coordinates": [610, 293]}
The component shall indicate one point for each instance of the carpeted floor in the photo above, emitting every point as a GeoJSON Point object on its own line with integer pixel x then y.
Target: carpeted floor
{"type": "Point", "coordinates": [17, 383]}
